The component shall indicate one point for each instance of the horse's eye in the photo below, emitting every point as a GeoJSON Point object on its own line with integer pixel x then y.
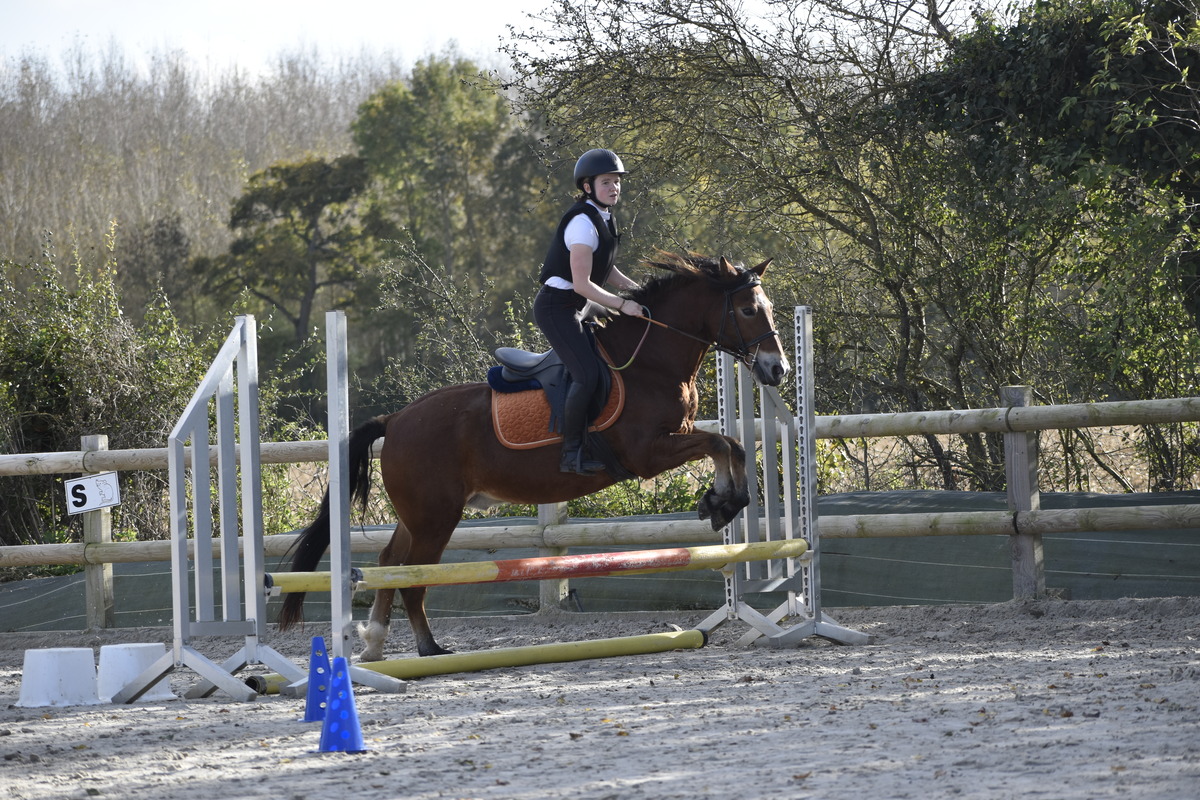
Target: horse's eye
{"type": "Point", "coordinates": [749, 311]}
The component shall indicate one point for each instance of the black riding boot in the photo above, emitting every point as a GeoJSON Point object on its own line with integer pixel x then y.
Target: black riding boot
{"type": "Point", "coordinates": [574, 427]}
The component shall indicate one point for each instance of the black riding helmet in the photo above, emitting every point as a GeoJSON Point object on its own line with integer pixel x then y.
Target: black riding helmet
{"type": "Point", "coordinates": [596, 162]}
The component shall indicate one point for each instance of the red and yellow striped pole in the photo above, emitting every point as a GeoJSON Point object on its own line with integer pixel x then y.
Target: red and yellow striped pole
{"type": "Point", "coordinates": [637, 562]}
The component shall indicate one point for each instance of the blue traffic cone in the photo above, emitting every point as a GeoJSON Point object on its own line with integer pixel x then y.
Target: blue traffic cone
{"type": "Point", "coordinates": [318, 682]}
{"type": "Point", "coordinates": [341, 732]}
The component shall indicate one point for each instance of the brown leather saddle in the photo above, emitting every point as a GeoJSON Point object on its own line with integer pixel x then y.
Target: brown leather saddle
{"type": "Point", "coordinates": [521, 408]}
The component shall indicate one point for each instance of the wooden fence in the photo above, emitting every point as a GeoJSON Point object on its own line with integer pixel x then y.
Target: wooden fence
{"type": "Point", "coordinates": [1025, 522]}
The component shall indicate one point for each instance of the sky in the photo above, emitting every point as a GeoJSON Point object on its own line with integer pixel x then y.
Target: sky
{"type": "Point", "coordinates": [217, 34]}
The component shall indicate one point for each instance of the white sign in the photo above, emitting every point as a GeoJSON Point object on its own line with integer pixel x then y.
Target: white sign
{"type": "Point", "coordinates": [92, 492]}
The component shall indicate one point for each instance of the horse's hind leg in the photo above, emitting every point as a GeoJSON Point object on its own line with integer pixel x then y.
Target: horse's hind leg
{"type": "Point", "coordinates": [404, 548]}
{"type": "Point", "coordinates": [414, 605]}
{"type": "Point", "coordinates": [426, 549]}
{"type": "Point", "coordinates": [374, 633]}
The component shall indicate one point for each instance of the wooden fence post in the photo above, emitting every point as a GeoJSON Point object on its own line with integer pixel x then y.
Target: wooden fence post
{"type": "Point", "coordinates": [1020, 467]}
{"type": "Point", "coordinates": [552, 593]}
{"type": "Point", "coordinates": [97, 528]}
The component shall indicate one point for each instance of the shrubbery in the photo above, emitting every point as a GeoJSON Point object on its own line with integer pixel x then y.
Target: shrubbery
{"type": "Point", "coordinates": [72, 364]}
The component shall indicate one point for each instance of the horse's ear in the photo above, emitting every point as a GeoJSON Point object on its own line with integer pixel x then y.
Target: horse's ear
{"type": "Point", "coordinates": [728, 270]}
{"type": "Point", "coordinates": [761, 268]}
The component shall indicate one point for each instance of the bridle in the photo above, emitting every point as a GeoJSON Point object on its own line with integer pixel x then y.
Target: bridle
{"type": "Point", "coordinates": [742, 352]}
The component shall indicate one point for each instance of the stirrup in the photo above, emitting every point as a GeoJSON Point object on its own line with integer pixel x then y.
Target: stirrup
{"type": "Point", "coordinates": [579, 464]}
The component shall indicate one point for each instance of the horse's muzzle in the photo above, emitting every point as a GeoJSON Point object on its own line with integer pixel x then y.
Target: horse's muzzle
{"type": "Point", "coordinates": [770, 368]}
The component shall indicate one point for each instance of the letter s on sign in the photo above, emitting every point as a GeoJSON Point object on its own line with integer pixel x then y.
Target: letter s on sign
{"type": "Point", "coordinates": [78, 496]}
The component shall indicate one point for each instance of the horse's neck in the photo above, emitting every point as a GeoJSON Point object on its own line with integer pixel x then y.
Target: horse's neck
{"type": "Point", "coordinates": [664, 353]}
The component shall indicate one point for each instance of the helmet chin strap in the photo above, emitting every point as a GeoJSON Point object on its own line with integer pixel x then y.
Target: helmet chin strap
{"type": "Point", "coordinates": [590, 194]}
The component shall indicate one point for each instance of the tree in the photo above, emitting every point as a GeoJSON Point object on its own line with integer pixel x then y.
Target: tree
{"type": "Point", "coordinates": [1100, 96]}
{"type": "Point", "coordinates": [1102, 92]}
{"type": "Point", "coordinates": [72, 364]}
{"type": "Point", "coordinates": [932, 289]}
{"type": "Point", "coordinates": [455, 174]}
{"type": "Point", "coordinates": [778, 126]}
{"type": "Point", "coordinates": [89, 138]}
{"type": "Point", "coordinates": [297, 234]}
{"type": "Point", "coordinates": [155, 261]}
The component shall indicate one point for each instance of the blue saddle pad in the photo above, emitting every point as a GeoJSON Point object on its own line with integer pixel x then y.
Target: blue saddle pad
{"type": "Point", "coordinates": [496, 380]}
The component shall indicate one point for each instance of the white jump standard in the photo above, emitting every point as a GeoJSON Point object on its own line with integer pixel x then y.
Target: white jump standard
{"type": "Point", "coordinates": [790, 492]}
{"type": "Point", "coordinates": [250, 624]}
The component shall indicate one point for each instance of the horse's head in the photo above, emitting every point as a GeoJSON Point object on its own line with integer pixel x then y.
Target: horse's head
{"type": "Point", "coordinates": [737, 317]}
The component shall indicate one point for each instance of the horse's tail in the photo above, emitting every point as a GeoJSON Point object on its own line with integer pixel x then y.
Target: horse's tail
{"type": "Point", "coordinates": [314, 540]}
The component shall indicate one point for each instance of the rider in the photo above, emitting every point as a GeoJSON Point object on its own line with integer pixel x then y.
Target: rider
{"type": "Point", "coordinates": [580, 260]}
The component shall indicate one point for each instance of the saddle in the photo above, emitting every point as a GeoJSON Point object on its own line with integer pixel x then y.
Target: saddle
{"type": "Point", "coordinates": [527, 398]}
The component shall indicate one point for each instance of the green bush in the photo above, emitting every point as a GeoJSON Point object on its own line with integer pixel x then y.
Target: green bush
{"type": "Point", "coordinates": [72, 364]}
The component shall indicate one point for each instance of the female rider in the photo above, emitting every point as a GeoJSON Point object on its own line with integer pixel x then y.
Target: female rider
{"type": "Point", "coordinates": [580, 260]}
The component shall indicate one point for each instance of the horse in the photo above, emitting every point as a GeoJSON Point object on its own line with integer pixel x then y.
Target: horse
{"type": "Point", "coordinates": [440, 453]}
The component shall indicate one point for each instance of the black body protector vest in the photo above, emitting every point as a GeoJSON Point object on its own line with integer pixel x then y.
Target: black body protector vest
{"type": "Point", "coordinates": [558, 257]}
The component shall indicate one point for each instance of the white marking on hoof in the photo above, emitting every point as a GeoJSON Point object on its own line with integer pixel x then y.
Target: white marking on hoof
{"type": "Point", "coordinates": [373, 637]}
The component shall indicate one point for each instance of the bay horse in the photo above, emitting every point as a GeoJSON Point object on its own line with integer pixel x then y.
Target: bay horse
{"type": "Point", "coordinates": [440, 453]}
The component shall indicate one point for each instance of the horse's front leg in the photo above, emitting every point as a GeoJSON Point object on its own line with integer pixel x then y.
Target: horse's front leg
{"type": "Point", "coordinates": [729, 493]}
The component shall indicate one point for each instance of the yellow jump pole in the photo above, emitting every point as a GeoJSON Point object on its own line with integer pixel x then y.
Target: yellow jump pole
{"type": "Point", "coordinates": [638, 562]}
{"type": "Point", "coordinates": [422, 667]}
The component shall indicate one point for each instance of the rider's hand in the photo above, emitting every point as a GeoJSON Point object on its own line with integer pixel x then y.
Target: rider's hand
{"type": "Point", "coordinates": [627, 305]}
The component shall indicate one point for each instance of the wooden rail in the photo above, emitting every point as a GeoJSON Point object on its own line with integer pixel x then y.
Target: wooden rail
{"type": "Point", "coordinates": [634, 533]}
{"type": "Point", "coordinates": [585, 565]}
{"type": "Point", "coordinates": [849, 426]}
{"type": "Point", "coordinates": [1025, 524]}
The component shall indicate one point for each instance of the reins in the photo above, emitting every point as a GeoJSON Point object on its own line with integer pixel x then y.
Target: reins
{"type": "Point", "coordinates": [642, 341]}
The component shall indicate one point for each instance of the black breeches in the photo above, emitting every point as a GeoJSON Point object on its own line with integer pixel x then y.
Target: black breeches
{"type": "Point", "coordinates": [557, 313]}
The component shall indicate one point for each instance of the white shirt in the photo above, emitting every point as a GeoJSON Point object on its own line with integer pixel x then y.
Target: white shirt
{"type": "Point", "coordinates": [580, 230]}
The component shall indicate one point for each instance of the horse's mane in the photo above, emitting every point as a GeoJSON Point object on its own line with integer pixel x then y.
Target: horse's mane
{"type": "Point", "coordinates": [681, 269]}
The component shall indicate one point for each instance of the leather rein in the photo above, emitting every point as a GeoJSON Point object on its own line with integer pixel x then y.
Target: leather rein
{"type": "Point", "coordinates": [743, 353]}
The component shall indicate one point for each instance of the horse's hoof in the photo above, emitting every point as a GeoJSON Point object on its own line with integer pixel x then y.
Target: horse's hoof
{"type": "Point", "coordinates": [720, 520]}
{"type": "Point", "coordinates": [724, 515]}
{"type": "Point", "coordinates": [709, 504]}
{"type": "Point", "coordinates": [374, 638]}
{"type": "Point", "coordinates": [435, 650]}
